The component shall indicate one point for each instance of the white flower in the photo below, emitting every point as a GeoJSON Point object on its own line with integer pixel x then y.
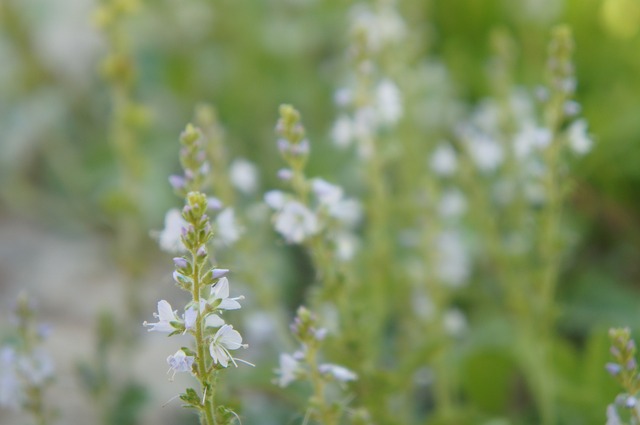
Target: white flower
{"type": "Point", "coordinates": [165, 316]}
{"type": "Point", "coordinates": [443, 160]}
{"type": "Point", "coordinates": [612, 416]}
{"type": "Point", "coordinates": [228, 229]}
{"type": "Point", "coordinates": [530, 139]}
{"type": "Point", "coordinates": [328, 194]}
{"type": "Point", "coordinates": [579, 139]}
{"type": "Point", "coordinates": [224, 340]}
{"type": "Point", "coordinates": [346, 245]}
{"type": "Point", "coordinates": [191, 315]}
{"type": "Point", "coordinates": [381, 28]}
{"type": "Point", "coordinates": [275, 199]}
{"type": "Point", "coordinates": [485, 152]}
{"type": "Point", "coordinates": [37, 367]}
{"type": "Point", "coordinates": [244, 175]}
{"type": "Point", "coordinates": [339, 373]}
{"type": "Point", "coordinates": [452, 204]}
{"type": "Point", "coordinates": [289, 367]}
{"type": "Point", "coordinates": [10, 392]}
{"type": "Point", "coordinates": [454, 266]}
{"type": "Point", "coordinates": [219, 297]}
{"type": "Point", "coordinates": [342, 132]}
{"type": "Point", "coordinates": [294, 221]}
{"type": "Point", "coordinates": [180, 362]}
{"type": "Point", "coordinates": [454, 322]}
{"type": "Point", "coordinates": [388, 102]}
{"type": "Point", "coordinates": [170, 238]}
{"type": "Point", "coordinates": [347, 211]}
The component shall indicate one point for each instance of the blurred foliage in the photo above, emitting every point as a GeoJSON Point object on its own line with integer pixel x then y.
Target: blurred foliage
{"type": "Point", "coordinates": [247, 57]}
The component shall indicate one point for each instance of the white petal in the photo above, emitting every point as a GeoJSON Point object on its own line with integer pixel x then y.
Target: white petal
{"type": "Point", "coordinates": [229, 337]}
{"type": "Point", "coordinates": [218, 354]}
{"type": "Point", "coordinates": [229, 304]}
{"type": "Point", "coordinates": [220, 290]}
{"type": "Point", "coordinates": [165, 313]}
{"type": "Point", "coordinates": [213, 321]}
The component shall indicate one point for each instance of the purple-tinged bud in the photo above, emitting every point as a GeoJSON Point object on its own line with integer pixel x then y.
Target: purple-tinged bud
{"type": "Point", "coordinates": [301, 149]}
{"type": "Point", "coordinates": [614, 352]}
{"type": "Point", "coordinates": [613, 368]}
{"type": "Point", "coordinates": [214, 203]}
{"type": "Point", "coordinates": [631, 364]}
{"type": "Point", "coordinates": [631, 345]}
{"type": "Point", "coordinates": [180, 262]}
{"type": "Point", "coordinates": [202, 251]}
{"type": "Point", "coordinates": [572, 108]}
{"type": "Point", "coordinates": [320, 334]}
{"type": "Point", "coordinates": [630, 402]}
{"type": "Point", "coordinates": [285, 174]}
{"type": "Point", "coordinates": [188, 174]}
{"type": "Point", "coordinates": [180, 278]}
{"type": "Point", "coordinates": [201, 156]}
{"type": "Point", "coordinates": [218, 273]}
{"type": "Point", "coordinates": [186, 209]}
{"type": "Point", "coordinates": [284, 146]}
{"type": "Point", "coordinates": [176, 182]}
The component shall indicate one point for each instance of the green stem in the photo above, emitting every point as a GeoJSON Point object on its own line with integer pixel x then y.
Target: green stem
{"type": "Point", "coordinates": [207, 408]}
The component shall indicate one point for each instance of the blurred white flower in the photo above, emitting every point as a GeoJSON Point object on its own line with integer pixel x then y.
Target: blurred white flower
{"type": "Point", "coordinates": [170, 238]}
{"type": "Point", "coordinates": [294, 221]}
{"type": "Point", "coordinates": [342, 132]}
{"type": "Point", "coordinates": [529, 139]}
{"type": "Point", "coordinates": [346, 245]}
{"type": "Point", "coordinates": [452, 204]}
{"type": "Point", "coordinates": [224, 340]}
{"type": "Point", "coordinates": [388, 102]}
{"type": "Point", "coordinates": [289, 367]}
{"type": "Point", "coordinates": [339, 373]}
{"type": "Point", "coordinates": [444, 161]}
{"type": "Point", "coordinates": [454, 322]}
{"type": "Point", "coordinates": [327, 194]}
{"type": "Point", "coordinates": [485, 152]}
{"type": "Point", "coordinates": [228, 230]}
{"type": "Point", "coordinates": [453, 267]}
{"type": "Point", "coordinates": [10, 393]}
{"type": "Point", "coordinates": [381, 28]}
{"type": "Point", "coordinates": [579, 139]}
{"type": "Point", "coordinates": [37, 367]}
{"type": "Point", "coordinates": [244, 175]}
{"type": "Point", "coordinates": [612, 416]}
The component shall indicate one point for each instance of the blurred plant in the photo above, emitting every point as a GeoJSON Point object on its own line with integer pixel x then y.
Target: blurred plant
{"type": "Point", "coordinates": [128, 117]}
{"type": "Point", "coordinates": [27, 368]}
{"type": "Point", "coordinates": [624, 369]}
{"type": "Point", "coordinates": [315, 214]}
{"type": "Point", "coordinates": [304, 365]}
{"type": "Point", "coordinates": [213, 338]}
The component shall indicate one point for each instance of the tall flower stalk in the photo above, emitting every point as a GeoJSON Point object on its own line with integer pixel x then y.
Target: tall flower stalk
{"type": "Point", "coordinates": [207, 286]}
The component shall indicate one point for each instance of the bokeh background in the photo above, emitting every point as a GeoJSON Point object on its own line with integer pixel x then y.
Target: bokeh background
{"type": "Point", "coordinates": [61, 178]}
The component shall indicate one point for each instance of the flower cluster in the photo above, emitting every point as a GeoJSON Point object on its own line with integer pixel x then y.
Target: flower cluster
{"type": "Point", "coordinates": [374, 102]}
{"type": "Point", "coordinates": [196, 176]}
{"type": "Point", "coordinates": [27, 369]}
{"type": "Point", "coordinates": [314, 205]}
{"type": "Point", "coordinates": [624, 369]}
{"type": "Point", "coordinates": [304, 365]}
{"type": "Point", "coordinates": [207, 285]}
